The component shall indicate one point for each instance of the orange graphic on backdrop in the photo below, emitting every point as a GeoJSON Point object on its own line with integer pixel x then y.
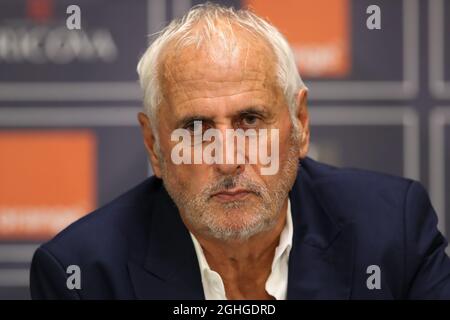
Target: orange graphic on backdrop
{"type": "Point", "coordinates": [47, 180]}
{"type": "Point", "coordinates": [318, 32]}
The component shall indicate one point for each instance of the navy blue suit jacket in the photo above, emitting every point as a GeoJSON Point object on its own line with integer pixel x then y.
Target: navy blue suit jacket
{"type": "Point", "coordinates": [344, 221]}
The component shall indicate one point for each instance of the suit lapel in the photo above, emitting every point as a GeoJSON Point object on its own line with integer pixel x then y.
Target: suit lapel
{"type": "Point", "coordinates": [321, 259]}
{"type": "Point", "coordinates": [169, 269]}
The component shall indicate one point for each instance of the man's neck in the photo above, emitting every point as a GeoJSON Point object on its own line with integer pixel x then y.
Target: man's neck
{"type": "Point", "coordinates": [244, 266]}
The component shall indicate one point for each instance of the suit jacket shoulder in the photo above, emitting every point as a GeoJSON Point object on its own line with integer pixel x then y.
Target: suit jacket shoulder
{"type": "Point", "coordinates": [100, 244]}
{"type": "Point", "coordinates": [394, 227]}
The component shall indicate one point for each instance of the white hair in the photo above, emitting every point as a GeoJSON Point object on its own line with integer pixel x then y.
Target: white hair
{"type": "Point", "coordinates": [212, 21]}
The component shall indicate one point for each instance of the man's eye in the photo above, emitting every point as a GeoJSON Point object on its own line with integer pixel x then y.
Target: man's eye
{"type": "Point", "coordinates": [249, 120]}
{"type": "Point", "coordinates": [196, 125]}
{"type": "Point", "coordinates": [190, 126]}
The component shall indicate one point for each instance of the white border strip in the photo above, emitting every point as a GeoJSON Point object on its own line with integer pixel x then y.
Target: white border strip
{"type": "Point", "coordinates": [156, 15]}
{"type": "Point", "coordinates": [360, 115]}
{"type": "Point", "coordinates": [180, 7]}
{"type": "Point", "coordinates": [17, 253]}
{"type": "Point", "coordinates": [436, 37]}
{"type": "Point", "coordinates": [439, 118]}
{"type": "Point", "coordinates": [14, 277]}
{"type": "Point", "coordinates": [69, 116]}
{"type": "Point", "coordinates": [70, 91]}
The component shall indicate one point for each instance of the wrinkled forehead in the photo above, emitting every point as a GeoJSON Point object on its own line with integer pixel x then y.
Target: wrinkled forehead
{"type": "Point", "coordinates": [223, 57]}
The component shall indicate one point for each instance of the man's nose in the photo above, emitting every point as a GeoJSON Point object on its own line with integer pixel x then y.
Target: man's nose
{"type": "Point", "coordinates": [229, 169]}
{"type": "Point", "coordinates": [230, 164]}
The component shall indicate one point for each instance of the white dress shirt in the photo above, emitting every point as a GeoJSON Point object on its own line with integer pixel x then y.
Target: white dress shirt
{"type": "Point", "coordinates": [277, 282]}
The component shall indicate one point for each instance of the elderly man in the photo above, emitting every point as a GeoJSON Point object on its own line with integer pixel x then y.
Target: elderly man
{"type": "Point", "coordinates": [222, 229]}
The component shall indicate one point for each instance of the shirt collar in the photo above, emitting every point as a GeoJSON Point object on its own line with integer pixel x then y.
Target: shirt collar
{"type": "Point", "coordinates": [276, 284]}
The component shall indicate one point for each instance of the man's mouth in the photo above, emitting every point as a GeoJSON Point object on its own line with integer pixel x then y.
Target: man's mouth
{"type": "Point", "coordinates": [232, 194]}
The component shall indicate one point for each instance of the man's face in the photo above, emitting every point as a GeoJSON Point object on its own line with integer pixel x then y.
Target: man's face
{"type": "Point", "coordinates": [225, 88]}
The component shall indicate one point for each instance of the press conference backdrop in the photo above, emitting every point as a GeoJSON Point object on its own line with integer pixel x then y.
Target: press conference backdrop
{"type": "Point", "coordinates": [69, 140]}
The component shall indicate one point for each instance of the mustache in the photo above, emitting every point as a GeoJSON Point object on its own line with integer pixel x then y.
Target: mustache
{"type": "Point", "coordinates": [227, 183]}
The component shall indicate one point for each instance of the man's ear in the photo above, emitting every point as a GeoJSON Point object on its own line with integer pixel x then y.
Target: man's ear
{"type": "Point", "coordinates": [303, 118]}
{"type": "Point", "coordinates": [150, 143]}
